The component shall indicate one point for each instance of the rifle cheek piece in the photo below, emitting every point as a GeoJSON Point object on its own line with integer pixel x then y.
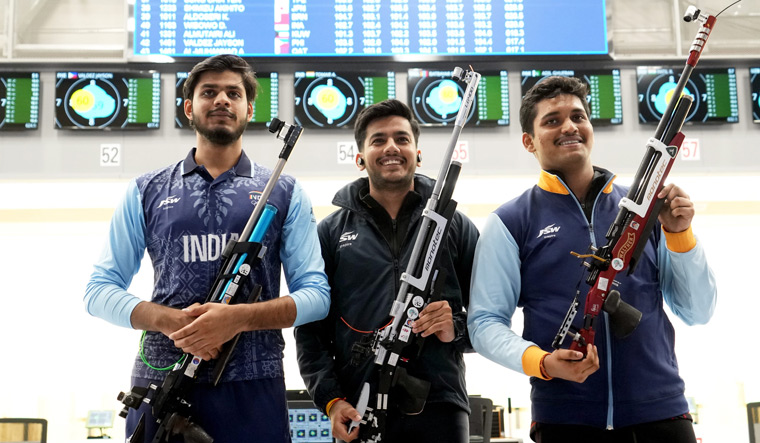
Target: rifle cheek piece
{"type": "Point", "coordinates": [623, 317]}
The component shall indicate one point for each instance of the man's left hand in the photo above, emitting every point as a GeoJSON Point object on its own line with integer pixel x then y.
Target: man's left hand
{"type": "Point", "coordinates": [678, 209]}
{"type": "Point", "coordinates": [436, 319]}
{"type": "Point", "coordinates": [214, 325]}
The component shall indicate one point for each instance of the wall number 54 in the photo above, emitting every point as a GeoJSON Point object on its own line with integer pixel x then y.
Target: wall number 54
{"type": "Point", "coordinates": [110, 154]}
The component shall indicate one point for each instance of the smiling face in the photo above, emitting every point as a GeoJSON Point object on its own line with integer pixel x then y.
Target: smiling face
{"type": "Point", "coordinates": [562, 135]}
{"type": "Point", "coordinates": [219, 110]}
{"type": "Point", "coordinates": [390, 154]}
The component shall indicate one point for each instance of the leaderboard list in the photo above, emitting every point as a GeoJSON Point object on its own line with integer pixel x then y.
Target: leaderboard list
{"type": "Point", "coordinates": [198, 28]}
{"type": "Point", "coordinates": [19, 100]}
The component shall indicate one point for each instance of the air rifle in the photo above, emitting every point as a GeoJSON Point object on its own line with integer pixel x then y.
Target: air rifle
{"type": "Point", "coordinates": [628, 234]}
{"type": "Point", "coordinates": [420, 285]}
{"type": "Point", "coordinates": [169, 402]}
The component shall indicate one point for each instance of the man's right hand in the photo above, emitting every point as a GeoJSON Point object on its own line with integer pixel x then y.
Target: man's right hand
{"type": "Point", "coordinates": [341, 416]}
{"type": "Point", "coordinates": [570, 365]}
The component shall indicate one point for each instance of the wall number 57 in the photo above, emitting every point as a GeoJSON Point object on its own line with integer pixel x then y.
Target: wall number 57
{"type": "Point", "coordinates": [110, 154]}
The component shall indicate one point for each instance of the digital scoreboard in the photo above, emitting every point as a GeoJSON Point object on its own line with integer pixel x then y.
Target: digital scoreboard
{"type": "Point", "coordinates": [604, 98]}
{"type": "Point", "coordinates": [297, 28]}
{"type": "Point", "coordinates": [107, 100]}
{"type": "Point", "coordinates": [435, 98]}
{"type": "Point", "coordinates": [326, 99]}
{"type": "Point", "coordinates": [754, 83]}
{"type": "Point", "coordinates": [713, 90]}
{"type": "Point", "coordinates": [19, 100]}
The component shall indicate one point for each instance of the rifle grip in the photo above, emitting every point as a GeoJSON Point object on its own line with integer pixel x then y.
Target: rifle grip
{"type": "Point", "coordinates": [581, 340]}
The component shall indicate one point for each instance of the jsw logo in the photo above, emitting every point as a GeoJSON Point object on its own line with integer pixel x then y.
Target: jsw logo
{"type": "Point", "coordinates": [348, 236]}
{"type": "Point", "coordinates": [551, 229]}
{"type": "Point", "coordinates": [168, 201]}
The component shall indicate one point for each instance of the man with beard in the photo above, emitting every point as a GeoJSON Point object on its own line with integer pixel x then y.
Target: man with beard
{"type": "Point", "coordinates": [366, 244]}
{"type": "Point", "coordinates": [184, 215]}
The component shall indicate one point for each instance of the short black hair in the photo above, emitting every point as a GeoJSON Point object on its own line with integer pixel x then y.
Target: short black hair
{"type": "Point", "coordinates": [385, 108]}
{"type": "Point", "coordinates": [550, 87]}
{"type": "Point", "coordinates": [222, 63]}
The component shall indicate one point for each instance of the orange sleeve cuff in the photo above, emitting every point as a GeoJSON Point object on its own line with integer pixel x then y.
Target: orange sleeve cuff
{"type": "Point", "coordinates": [531, 362]}
{"type": "Point", "coordinates": [680, 241]}
{"type": "Point", "coordinates": [330, 405]}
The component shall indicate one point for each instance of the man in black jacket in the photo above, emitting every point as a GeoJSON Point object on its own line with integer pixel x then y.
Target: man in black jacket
{"type": "Point", "coordinates": [366, 245]}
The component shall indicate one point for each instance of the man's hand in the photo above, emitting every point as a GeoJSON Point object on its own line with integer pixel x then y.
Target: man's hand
{"type": "Point", "coordinates": [436, 319]}
{"type": "Point", "coordinates": [567, 364]}
{"type": "Point", "coordinates": [151, 316]}
{"type": "Point", "coordinates": [215, 324]}
{"type": "Point", "coordinates": [341, 415]}
{"type": "Point", "coordinates": [174, 320]}
{"type": "Point", "coordinates": [678, 209]}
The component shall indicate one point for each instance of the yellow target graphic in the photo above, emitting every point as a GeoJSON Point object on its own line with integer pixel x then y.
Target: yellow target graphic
{"type": "Point", "coordinates": [448, 93]}
{"type": "Point", "coordinates": [327, 101]}
{"type": "Point", "coordinates": [328, 98]}
{"type": "Point", "coordinates": [82, 100]}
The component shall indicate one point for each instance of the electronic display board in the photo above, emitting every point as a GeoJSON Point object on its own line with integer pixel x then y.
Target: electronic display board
{"type": "Point", "coordinates": [265, 106]}
{"type": "Point", "coordinates": [19, 100]}
{"type": "Point", "coordinates": [326, 99]}
{"type": "Point", "coordinates": [297, 28]}
{"type": "Point", "coordinates": [307, 423]}
{"type": "Point", "coordinates": [754, 84]}
{"type": "Point", "coordinates": [605, 99]}
{"type": "Point", "coordinates": [713, 91]}
{"type": "Point", "coordinates": [435, 98]}
{"type": "Point", "coordinates": [107, 100]}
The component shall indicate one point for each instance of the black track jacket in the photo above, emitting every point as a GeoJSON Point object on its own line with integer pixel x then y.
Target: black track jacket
{"type": "Point", "coordinates": [365, 253]}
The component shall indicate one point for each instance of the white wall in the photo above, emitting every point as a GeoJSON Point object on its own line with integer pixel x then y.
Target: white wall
{"type": "Point", "coordinates": [58, 362]}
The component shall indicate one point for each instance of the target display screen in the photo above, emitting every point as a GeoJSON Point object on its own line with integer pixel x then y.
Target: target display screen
{"type": "Point", "coordinates": [436, 97]}
{"type": "Point", "coordinates": [754, 82]}
{"type": "Point", "coordinates": [107, 100]}
{"type": "Point", "coordinates": [334, 99]}
{"type": "Point", "coordinates": [19, 100]}
{"type": "Point", "coordinates": [265, 106]}
{"type": "Point", "coordinates": [713, 91]}
{"type": "Point", "coordinates": [604, 98]}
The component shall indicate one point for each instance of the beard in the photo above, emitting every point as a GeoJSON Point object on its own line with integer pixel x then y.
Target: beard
{"type": "Point", "coordinates": [381, 182]}
{"type": "Point", "coordinates": [219, 136]}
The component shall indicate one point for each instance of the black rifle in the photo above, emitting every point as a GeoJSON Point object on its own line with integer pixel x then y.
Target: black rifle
{"type": "Point", "coordinates": [169, 402]}
{"type": "Point", "coordinates": [419, 287]}
{"type": "Point", "coordinates": [628, 234]}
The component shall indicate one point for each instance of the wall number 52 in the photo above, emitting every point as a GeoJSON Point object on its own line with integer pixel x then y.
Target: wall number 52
{"type": "Point", "coordinates": [110, 154]}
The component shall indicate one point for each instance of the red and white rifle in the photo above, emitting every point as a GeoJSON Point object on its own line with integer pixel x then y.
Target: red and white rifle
{"type": "Point", "coordinates": [628, 234]}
